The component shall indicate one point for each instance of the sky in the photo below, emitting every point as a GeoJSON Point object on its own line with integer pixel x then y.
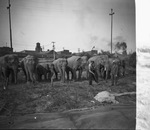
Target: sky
{"type": "Point", "coordinates": [71, 24]}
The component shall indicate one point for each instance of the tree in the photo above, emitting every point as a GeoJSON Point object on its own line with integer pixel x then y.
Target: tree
{"type": "Point", "coordinates": [121, 46]}
{"type": "Point", "coordinates": [105, 53]}
{"type": "Point", "coordinates": [132, 59]}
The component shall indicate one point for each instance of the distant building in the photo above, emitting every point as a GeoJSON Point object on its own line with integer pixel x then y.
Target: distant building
{"type": "Point", "coordinates": [29, 52]}
{"type": "Point", "coordinates": [92, 52]}
{"type": "Point", "coordinates": [48, 54]}
{"type": "Point", "coordinates": [5, 50]}
{"type": "Point", "coordinates": [35, 52]}
{"type": "Point", "coordinates": [64, 53]}
{"type": "Point", "coordinates": [38, 47]}
{"type": "Point", "coordinates": [20, 54]}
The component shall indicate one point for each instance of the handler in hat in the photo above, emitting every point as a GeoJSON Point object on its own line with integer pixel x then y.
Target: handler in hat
{"type": "Point", "coordinates": [114, 72]}
{"type": "Point", "coordinates": [92, 73]}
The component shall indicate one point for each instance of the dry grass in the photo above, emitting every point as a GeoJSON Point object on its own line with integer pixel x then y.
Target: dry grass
{"type": "Point", "coordinates": [41, 97]}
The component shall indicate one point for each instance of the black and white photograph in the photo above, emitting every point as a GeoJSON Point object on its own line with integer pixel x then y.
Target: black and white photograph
{"type": "Point", "coordinates": [71, 64]}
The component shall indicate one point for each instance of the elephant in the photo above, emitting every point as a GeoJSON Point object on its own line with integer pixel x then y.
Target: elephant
{"type": "Point", "coordinates": [74, 64]}
{"type": "Point", "coordinates": [99, 63]}
{"type": "Point", "coordinates": [108, 65]}
{"type": "Point", "coordinates": [28, 65]}
{"type": "Point", "coordinates": [60, 65]}
{"type": "Point", "coordinates": [43, 69]}
{"type": "Point", "coordinates": [84, 65]}
{"type": "Point", "coordinates": [122, 65]}
{"type": "Point", "coordinates": [9, 65]}
{"type": "Point", "coordinates": [119, 62]}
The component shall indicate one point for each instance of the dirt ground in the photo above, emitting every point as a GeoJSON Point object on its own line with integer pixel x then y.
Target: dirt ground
{"type": "Point", "coordinates": [22, 99]}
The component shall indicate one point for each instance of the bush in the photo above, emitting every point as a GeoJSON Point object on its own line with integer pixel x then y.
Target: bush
{"type": "Point", "coordinates": [132, 60]}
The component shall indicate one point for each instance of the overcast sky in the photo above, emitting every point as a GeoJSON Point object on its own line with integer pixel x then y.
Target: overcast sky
{"type": "Point", "coordinates": [72, 24]}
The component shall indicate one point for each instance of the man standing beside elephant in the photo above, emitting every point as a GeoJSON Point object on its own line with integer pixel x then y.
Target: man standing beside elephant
{"type": "Point", "coordinates": [92, 73]}
{"type": "Point", "coordinates": [53, 73]}
{"type": "Point", "coordinates": [114, 72]}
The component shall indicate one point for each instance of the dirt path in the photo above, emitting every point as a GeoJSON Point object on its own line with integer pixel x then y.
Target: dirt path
{"type": "Point", "coordinates": [114, 117]}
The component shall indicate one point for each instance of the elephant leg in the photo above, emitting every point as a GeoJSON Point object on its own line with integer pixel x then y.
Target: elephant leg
{"type": "Point", "coordinates": [52, 78]}
{"type": "Point", "coordinates": [31, 71]}
{"type": "Point", "coordinates": [63, 73]}
{"type": "Point", "coordinates": [12, 75]}
{"type": "Point", "coordinates": [98, 74]}
{"type": "Point", "coordinates": [67, 72]}
{"type": "Point", "coordinates": [39, 77]}
{"type": "Point", "coordinates": [118, 71]}
{"type": "Point", "coordinates": [6, 74]}
{"type": "Point", "coordinates": [33, 77]}
{"type": "Point", "coordinates": [49, 75]}
{"type": "Point", "coordinates": [45, 76]}
{"type": "Point", "coordinates": [74, 74]}
{"type": "Point", "coordinates": [15, 75]}
{"type": "Point", "coordinates": [79, 74]}
{"type": "Point", "coordinates": [123, 71]}
{"type": "Point", "coordinates": [55, 74]}
{"type": "Point", "coordinates": [107, 73]}
{"type": "Point", "coordinates": [27, 73]}
{"type": "Point", "coordinates": [87, 74]}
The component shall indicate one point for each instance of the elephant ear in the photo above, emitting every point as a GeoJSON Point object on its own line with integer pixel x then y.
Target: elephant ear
{"type": "Point", "coordinates": [6, 59]}
{"type": "Point", "coordinates": [79, 60]}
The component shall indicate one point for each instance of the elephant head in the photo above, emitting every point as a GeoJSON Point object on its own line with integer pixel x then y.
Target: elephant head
{"type": "Point", "coordinates": [9, 65]}
{"type": "Point", "coordinates": [60, 67]}
{"type": "Point", "coordinates": [13, 64]}
{"type": "Point", "coordinates": [28, 65]}
{"type": "Point", "coordinates": [74, 64]}
{"type": "Point", "coordinates": [84, 65]}
{"type": "Point", "coordinates": [99, 63]}
{"type": "Point", "coordinates": [84, 62]}
{"type": "Point", "coordinates": [42, 69]}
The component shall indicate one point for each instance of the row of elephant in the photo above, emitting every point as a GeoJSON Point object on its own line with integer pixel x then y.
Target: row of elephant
{"type": "Point", "coordinates": [34, 70]}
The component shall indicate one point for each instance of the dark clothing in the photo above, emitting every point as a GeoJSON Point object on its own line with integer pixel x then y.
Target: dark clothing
{"type": "Point", "coordinates": [92, 75]}
{"type": "Point", "coordinates": [114, 73]}
{"type": "Point", "coordinates": [122, 67]}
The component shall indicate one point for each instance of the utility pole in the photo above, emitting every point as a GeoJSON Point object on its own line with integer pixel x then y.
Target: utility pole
{"type": "Point", "coordinates": [111, 14]}
{"type": "Point", "coordinates": [9, 5]}
{"type": "Point", "coordinates": [53, 50]}
{"type": "Point", "coordinates": [78, 50]}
